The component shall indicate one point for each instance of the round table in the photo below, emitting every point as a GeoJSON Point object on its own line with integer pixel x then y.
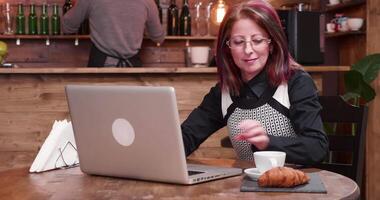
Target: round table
{"type": "Point", "coordinates": [73, 184]}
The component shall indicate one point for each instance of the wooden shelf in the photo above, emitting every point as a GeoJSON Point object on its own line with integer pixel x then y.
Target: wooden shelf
{"type": "Point", "coordinates": [38, 37]}
{"type": "Point", "coordinates": [31, 37]}
{"type": "Point", "coordinates": [341, 6]}
{"type": "Point", "coordinates": [111, 70]}
{"type": "Point", "coordinates": [339, 34]}
{"type": "Point", "coordinates": [145, 70]}
{"type": "Point", "coordinates": [76, 38]}
{"type": "Point", "coordinates": [190, 38]}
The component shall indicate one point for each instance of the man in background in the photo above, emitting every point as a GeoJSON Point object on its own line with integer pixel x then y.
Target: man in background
{"type": "Point", "coordinates": [117, 29]}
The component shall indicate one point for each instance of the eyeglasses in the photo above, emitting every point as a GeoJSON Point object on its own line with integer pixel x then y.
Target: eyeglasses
{"type": "Point", "coordinates": [239, 42]}
{"type": "Point", "coordinates": [70, 152]}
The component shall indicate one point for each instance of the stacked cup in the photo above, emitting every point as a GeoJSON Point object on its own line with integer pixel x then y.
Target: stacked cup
{"type": "Point", "coordinates": [354, 24]}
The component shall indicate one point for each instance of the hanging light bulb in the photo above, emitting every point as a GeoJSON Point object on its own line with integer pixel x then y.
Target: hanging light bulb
{"type": "Point", "coordinates": [221, 10]}
{"type": "Point", "coordinates": [218, 11]}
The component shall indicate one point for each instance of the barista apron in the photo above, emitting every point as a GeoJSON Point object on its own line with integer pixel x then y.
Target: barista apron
{"type": "Point", "coordinates": [271, 110]}
{"type": "Point", "coordinates": [98, 58]}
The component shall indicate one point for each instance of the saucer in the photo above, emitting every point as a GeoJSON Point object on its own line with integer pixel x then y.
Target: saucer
{"type": "Point", "coordinates": [253, 173]}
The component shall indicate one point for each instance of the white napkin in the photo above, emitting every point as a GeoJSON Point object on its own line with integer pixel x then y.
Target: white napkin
{"type": "Point", "coordinates": [58, 150]}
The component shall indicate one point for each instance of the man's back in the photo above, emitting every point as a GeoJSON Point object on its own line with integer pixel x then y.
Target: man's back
{"type": "Point", "coordinates": [117, 26]}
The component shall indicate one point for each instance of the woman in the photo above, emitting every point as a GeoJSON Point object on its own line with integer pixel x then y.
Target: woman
{"type": "Point", "coordinates": [263, 96]}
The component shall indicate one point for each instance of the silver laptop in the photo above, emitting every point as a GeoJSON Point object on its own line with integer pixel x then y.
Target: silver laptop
{"type": "Point", "coordinates": [133, 132]}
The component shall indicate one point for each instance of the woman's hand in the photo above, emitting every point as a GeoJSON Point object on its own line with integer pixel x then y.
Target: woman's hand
{"type": "Point", "coordinates": [253, 132]}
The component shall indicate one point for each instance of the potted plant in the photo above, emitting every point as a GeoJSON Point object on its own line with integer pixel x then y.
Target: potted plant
{"type": "Point", "coordinates": [357, 81]}
{"type": "Point", "coordinates": [357, 85]}
{"type": "Point", "coordinates": [357, 90]}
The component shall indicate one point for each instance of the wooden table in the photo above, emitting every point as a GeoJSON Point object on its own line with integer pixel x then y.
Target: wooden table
{"type": "Point", "coordinates": [73, 184]}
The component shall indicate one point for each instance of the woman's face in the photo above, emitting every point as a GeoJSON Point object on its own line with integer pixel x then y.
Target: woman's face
{"type": "Point", "coordinates": [249, 46]}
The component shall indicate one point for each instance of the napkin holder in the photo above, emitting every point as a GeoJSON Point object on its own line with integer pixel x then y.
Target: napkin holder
{"type": "Point", "coordinates": [59, 149]}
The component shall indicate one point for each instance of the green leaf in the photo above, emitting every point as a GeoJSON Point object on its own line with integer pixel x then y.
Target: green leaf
{"type": "Point", "coordinates": [357, 86]}
{"type": "Point", "coordinates": [350, 96]}
{"type": "Point", "coordinates": [358, 80]}
{"type": "Point", "coordinates": [352, 81]}
{"type": "Point", "coordinates": [368, 67]}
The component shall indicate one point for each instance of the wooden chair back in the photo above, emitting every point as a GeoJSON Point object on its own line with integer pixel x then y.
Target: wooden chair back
{"type": "Point", "coordinates": [350, 139]}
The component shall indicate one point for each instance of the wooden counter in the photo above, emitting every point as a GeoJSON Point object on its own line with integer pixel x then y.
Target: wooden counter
{"type": "Point", "coordinates": [32, 98]}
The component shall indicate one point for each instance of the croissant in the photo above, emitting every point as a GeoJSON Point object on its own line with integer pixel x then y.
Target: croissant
{"type": "Point", "coordinates": [282, 177]}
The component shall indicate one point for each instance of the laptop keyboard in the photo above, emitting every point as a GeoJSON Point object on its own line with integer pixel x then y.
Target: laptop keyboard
{"type": "Point", "coordinates": [191, 173]}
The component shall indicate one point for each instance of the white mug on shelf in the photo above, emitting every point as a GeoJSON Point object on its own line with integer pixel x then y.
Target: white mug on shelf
{"type": "Point", "coordinates": [334, 2]}
{"type": "Point", "coordinates": [330, 27]}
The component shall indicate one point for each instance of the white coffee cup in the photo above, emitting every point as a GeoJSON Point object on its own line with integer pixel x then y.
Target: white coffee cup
{"type": "Point", "coordinates": [266, 160]}
{"type": "Point", "coordinates": [330, 27]}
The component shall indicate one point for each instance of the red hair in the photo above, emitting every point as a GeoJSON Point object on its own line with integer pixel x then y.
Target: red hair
{"type": "Point", "coordinates": [280, 65]}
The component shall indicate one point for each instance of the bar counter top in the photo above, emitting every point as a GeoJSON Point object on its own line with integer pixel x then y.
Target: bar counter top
{"type": "Point", "coordinates": [147, 70]}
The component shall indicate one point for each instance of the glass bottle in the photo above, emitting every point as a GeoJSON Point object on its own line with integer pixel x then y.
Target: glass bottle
{"type": "Point", "coordinates": [8, 19]}
{"type": "Point", "coordinates": [55, 21]}
{"type": "Point", "coordinates": [32, 20]}
{"type": "Point", "coordinates": [185, 19]}
{"type": "Point", "coordinates": [44, 20]}
{"type": "Point", "coordinates": [159, 10]}
{"type": "Point", "coordinates": [208, 17]}
{"type": "Point", "coordinates": [172, 18]}
{"type": "Point", "coordinates": [67, 6]}
{"type": "Point", "coordinates": [20, 20]}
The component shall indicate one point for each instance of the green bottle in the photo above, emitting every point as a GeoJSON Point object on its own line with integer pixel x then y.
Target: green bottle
{"type": "Point", "coordinates": [44, 20]}
{"type": "Point", "coordinates": [55, 21]}
{"type": "Point", "coordinates": [172, 28]}
{"type": "Point", "coordinates": [32, 20]}
{"type": "Point", "coordinates": [185, 20]}
{"type": "Point", "coordinates": [20, 20]}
